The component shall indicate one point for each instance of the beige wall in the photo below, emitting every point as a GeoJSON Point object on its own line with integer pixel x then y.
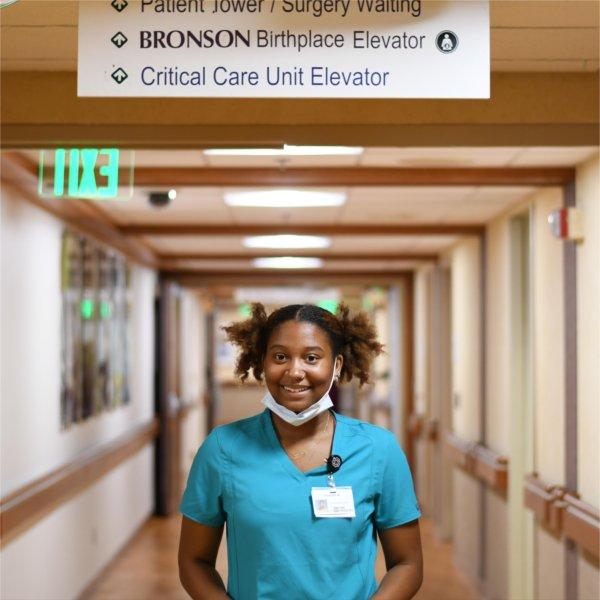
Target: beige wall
{"type": "Point", "coordinates": [549, 383]}
{"type": "Point", "coordinates": [92, 525]}
{"type": "Point", "coordinates": [466, 326]}
{"type": "Point", "coordinates": [498, 337]}
{"type": "Point", "coordinates": [466, 518]}
{"type": "Point", "coordinates": [421, 338]}
{"type": "Point", "coordinates": [422, 299]}
{"type": "Point", "coordinates": [548, 341]}
{"type": "Point", "coordinates": [588, 356]}
{"type": "Point", "coordinates": [192, 376]}
{"type": "Point", "coordinates": [497, 400]}
{"type": "Point", "coordinates": [465, 352]}
{"type": "Point", "coordinates": [496, 547]}
{"type": "Point", "coordinates": [588, 328]}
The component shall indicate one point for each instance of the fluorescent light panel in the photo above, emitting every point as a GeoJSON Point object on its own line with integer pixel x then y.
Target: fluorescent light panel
{"type": "Point", "coordinates": [287, 151]}
{"type": "Point", "coordinates": [284, 199]}
{"type": "Point", "coordinates": [287, 262]}
{"type": "Point", "coordinates": [286, 241]}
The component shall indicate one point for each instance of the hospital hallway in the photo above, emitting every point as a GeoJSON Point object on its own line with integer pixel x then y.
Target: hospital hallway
{"type": "Point", "coordinates": [147, 567]}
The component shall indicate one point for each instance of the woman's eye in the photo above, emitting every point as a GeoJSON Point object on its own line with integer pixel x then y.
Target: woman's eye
{"type": "Point", "coordinates": [312, 358]}
{"type": "Point", "coordinates": [279, 356]}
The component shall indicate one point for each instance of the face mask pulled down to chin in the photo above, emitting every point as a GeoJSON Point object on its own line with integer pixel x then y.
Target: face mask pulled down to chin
{"type": "Point", "coordinates": [296, 419]}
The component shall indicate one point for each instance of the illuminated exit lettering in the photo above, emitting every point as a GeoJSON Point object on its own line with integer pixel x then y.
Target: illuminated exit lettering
{"type": "Point", "coordinates": [88, 173]}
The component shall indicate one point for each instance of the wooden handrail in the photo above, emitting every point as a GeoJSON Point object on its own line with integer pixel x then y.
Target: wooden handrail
{"type": "Point", "coordinates": [26, 506]}
{"type": "Point", "coordinates": [421, 427]}
{"type": "Point", "coordinates": [581, 523]}
{"type": "Point", "coordinates": [564, 513]}
{"type": "Point", "coordinates": [478, 461]}
{"type": "Point", "coordinates": [415, 424]}
{"type": "Point", "coordinates": [432, 430]}
{"type": "Point", "coordinates": [541, 497]}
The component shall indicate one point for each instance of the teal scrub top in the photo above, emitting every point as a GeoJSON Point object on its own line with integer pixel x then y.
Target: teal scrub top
{"type": "Point", "coordinates": [276, 548]}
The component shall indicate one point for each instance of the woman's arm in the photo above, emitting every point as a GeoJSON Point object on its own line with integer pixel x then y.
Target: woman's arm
{"type": "Point", "coordinates": [404, 562]}
{"type": "Point", "coordinates": [198, 547]}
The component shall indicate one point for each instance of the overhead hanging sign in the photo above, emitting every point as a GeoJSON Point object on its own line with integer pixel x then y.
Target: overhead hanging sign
{"type": "Point", "coordinates": [284, 48]}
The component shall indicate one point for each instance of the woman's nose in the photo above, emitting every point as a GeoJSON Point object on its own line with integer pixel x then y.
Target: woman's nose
{"type": "Point", "coordinates": [296, 370]}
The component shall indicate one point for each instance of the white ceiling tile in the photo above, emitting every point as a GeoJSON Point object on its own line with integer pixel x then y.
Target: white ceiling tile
{"type": "Point", "coordinates": [391, 243]}
{"type": "Point", "coordinates": [554, 157]}
{"type": "Point", "coordinates": [297, 216]}
{"type": "Point", "coordinates": [276, 162]}
{"type": "Point", "coordinates": [438, 157]}
{"type": "Point", "coordinates": [474, 213]}
{"type": "Point", "coordinates": [195, 243]}
{"type": "Point", "coordinates": [169, 158]}
{"type": "Point", "coordinates": [380, 196]}
{"type": "Point", "coordinates": [506, 194]}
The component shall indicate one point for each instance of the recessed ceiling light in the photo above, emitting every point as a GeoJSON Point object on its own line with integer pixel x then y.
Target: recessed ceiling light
{"type": "Point", "coordinates": [287, 262]}
{"type": "Point", "coordinates": [287, 151]}
{"type": "Point", "coordinates": [284, 198]}
{"type": "Point", "coordinates": [286, 241]}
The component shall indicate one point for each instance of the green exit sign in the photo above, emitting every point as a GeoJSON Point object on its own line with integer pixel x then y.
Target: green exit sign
{"type": "Point", "coordinates": [94, 173]}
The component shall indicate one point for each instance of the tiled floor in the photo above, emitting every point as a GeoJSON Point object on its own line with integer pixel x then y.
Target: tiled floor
{"type": "Point", "coordinates": [147, 568]}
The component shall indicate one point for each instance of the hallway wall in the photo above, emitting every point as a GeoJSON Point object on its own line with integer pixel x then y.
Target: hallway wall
{"type": "Point", "coordinates": [588, 356]}
{"type": "Point", "coordinates": [422, 396]}
{"type": "Point", "coordinates": [466, 357]}
{"type": "Point", "coordinates": [33, 443]}
{"type": "Point", "coordinates": [548, 368]}
{"type": "Point", "coordinates": [192, 375]}
{"type": "Point", "coordinates": [549, 383]}
{"type": "Point", "coordinates": [497, 401]}
{"type": "Point", "coordinates": [548, 561]}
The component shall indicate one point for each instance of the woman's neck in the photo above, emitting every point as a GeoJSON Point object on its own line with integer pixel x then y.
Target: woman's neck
{"type": "Point", "coordinates": [291, 433]}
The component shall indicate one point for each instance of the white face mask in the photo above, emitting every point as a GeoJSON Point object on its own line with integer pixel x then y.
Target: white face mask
{"type": "Point", "coordinates": [296, 419]}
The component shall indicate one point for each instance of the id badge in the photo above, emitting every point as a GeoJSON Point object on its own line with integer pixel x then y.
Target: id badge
{"type": "Point", "coordinates": [333, 502]}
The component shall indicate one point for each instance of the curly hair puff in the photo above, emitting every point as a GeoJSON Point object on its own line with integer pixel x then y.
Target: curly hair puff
{"type": "Point", "coordinates": [352, 336]}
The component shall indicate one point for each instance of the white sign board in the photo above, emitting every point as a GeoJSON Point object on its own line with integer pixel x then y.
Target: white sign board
{"type": "Point", "coordinates": [284, 48]}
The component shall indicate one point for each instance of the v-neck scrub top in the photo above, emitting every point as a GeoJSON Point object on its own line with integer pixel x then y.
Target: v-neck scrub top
{"type": "Point", "coordinates": [276, 548]}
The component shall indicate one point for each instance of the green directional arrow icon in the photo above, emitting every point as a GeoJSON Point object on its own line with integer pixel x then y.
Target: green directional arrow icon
{"type": "Point", "coordinates": [119, 5]}
{"type": "Point", "coordinates": [119, 75]}
{"type": "Point", "coordinates": [119, 39]}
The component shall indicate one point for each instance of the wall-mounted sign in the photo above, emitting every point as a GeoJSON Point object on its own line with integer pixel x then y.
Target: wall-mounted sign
{"type": "Point", "coordinates": [93, 173]}
{"type": "Point", "coordinates": [285, 48]}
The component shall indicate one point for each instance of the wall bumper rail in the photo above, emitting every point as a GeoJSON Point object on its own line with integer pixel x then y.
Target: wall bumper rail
{"type": "Point", "coordinates": [478, 461]}
{"type": "Point", "coordinates": [564, 513]}
{"type": "Point", "coordinates": [26, 506]}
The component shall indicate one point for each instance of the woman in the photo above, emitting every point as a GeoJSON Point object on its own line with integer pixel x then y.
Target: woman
{"type": "Point", "coordinates": [302, 489]}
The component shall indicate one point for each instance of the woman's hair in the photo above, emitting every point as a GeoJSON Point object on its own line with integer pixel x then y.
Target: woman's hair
{"type": "Point", "coordinates": [354, 337]}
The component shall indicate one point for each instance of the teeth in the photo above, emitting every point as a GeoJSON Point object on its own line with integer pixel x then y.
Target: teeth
{"type": "Point", "coordinates": [288, 389]}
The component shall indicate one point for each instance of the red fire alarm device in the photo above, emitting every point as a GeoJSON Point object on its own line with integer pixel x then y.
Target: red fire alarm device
{"type": "Point", "coordinates": [565, 224]}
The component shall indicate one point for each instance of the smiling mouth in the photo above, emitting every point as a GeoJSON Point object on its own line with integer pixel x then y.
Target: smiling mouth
{"type": "Point", "coordinates": [295, 390]}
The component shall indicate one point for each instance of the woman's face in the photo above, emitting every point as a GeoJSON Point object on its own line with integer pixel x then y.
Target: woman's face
{"type": "Point", "coordinates": [299, 364]}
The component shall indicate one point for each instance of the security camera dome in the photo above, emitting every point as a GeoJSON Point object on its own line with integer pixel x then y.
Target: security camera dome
{"type": "Point", "coordinates": [159, 199]}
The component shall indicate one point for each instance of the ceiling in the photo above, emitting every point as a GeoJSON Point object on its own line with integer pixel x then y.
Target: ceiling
{"type": "Point", "coordinates": [555, 36]}
{"type": "Point", "coordinates": [526, 35]}
{"type": "Point", "coordinates": [351, 249]}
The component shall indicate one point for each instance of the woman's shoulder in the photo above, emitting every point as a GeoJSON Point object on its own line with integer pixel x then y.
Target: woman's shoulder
{"type": "Point", "coordinates": [229, 432]}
